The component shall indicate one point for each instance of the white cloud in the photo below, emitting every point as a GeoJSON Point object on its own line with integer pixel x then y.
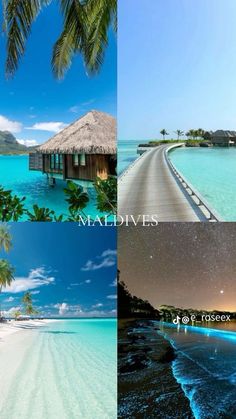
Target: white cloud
{"type": "Point", "coordinates": [36, 278]}
{"type": "Point", "coordinates": [112, 297]}
{"type": "Point", "coordinates": [35, 292]}
{"type": "Point", "coordinates": [63, 308]}
{"type": "Point", "coordinates": [28, 143]}
{"type": "Point", "coordinates": [8, 125]}
{"type": "Point", "coordinates": [48, 126]}
{"type": "Point", "coordinates": [87, 281]}
{"type": "Point", "coordinates": [74, 109]}
{"type": "Point", "coordinates": [9, 300]}
{"type": "Point", "coordinates": [106, 260]}
{"type": "Point", "coordinates": [10, 312]}
{"type": "Point", "coordinates": [81, 107]}
{"type": "Point", "coordinates": [108, 252]}
{"type": "Point", "coordinates": [114, 283]}
{"type": "Point", "coordinates": [97, 305]}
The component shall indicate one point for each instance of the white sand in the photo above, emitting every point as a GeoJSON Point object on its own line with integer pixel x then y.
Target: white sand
{"type": "Point", "coordinates": [12, 326]}
{"type": "Point", "coordinates": [15, 339]}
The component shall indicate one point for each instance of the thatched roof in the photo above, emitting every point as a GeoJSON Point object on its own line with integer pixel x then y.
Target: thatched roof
{"type": "Point", "coordinates": [224, 133]}
{"type": "Point", "coordinates": [93, 133]}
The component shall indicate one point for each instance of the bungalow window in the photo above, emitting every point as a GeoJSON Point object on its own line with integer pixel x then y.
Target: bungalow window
{"type": "Point", "coordinates": [56, 161]}
{"type": "Point", "coordinates": [79, 160]}
{"type": "Point", "coordinates": [52, 162]}
{"type": "Point", "coordinates": [75, 159]}
{"type": "Point", "coordinates": [82, 160]}
{"type": "Point", "coordinates": [60, 161]}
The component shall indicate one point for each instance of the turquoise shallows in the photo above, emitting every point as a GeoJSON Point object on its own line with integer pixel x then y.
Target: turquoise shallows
{"type": "Point", "coordinates": [205, 367]}
{"type": "Point", "coordinates": [127, 153]}
{"type": "Point", "coordinates": [212, 171]}
{"type": "Point", "coordinates": [68, 372]}
{"type": "Point", "coordinates": [15, 175]}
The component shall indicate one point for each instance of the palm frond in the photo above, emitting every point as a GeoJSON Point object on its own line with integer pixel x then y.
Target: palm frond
{"type": "Point", "coordinates": [71, 37]}
{"type": "Point", "coordinates": [19, 16]}
{"type": "Point", "coordinates": [102, 14]}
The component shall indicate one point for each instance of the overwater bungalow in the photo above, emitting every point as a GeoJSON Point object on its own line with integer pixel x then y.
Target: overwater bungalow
{"type": "Point", "coordinates": [82, 151]}
{"type": "Point", "coordinates": [223, 138]}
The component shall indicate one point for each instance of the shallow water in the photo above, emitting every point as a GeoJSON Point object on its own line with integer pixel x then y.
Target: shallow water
{"type": "Point", "coordinates": [206, 368]}
{"type": "Point", "coordinates": [15, 175]}
{"type": "Point", "coordinates": [212, 171]}
{"type": "Point", "coordinates": [68, 371]}
{"type": "Point", "coordinates": [127, 153]}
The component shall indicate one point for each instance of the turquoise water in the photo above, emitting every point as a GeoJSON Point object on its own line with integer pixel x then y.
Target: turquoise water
{"type": "Point", "coordinates": [15, 175]}
{"type": "Point", "coordinates": [127, 153]}
{"type": "Point", "coordinates": [68, 372]}
{"type": "Point", "coordinates": [212, 171]}
{"type": "Point", "coordinates": [206, 368]}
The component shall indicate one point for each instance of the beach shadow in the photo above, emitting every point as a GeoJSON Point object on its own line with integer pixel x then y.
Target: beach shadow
{"type": "Point", "coordinates": [26, 327]}
{"type": "Point", "coordinates": [58, 332]}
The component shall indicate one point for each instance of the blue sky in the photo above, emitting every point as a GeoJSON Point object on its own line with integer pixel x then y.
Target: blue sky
{"type": "Point", "coordinates": [34, 98]}
{"type": "Point", "coordinates": [70, 270]}
{"type": "Point", "coordinates": [176, 66]}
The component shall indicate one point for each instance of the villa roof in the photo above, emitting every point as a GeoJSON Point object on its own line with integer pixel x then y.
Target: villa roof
{"type": "Point", "coordinates": [224, 133]}
{"type": "Point", "coordinates": [93, 133]}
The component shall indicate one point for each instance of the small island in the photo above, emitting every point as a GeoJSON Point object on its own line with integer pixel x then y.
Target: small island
{"type": "Point", "coordinates": [10, 146]}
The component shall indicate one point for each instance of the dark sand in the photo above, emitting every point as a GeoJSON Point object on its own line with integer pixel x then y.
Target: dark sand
{"type": "Point", "coordinates": [146, 385]}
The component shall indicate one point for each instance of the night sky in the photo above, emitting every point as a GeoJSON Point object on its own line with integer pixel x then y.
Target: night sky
{"type": "Point", "coordinates": [189, 265]}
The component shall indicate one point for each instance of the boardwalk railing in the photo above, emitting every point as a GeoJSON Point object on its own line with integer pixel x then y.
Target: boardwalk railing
{"type": "Point", "coordinates": [192, 192]}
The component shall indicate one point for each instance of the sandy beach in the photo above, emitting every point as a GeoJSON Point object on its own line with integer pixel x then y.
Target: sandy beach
{"type": "Point", "coordinates": [15, 341]}
{"type": "Point", "coordinates": [12, 326]}
{"type": "Point", "coordinates": [147, 386]}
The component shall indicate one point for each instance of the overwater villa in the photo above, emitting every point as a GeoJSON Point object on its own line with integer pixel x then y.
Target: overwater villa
{"type": "Point", "coordinates": [84, 150]}
{"type": "Point", "coordinates": [223, 138]}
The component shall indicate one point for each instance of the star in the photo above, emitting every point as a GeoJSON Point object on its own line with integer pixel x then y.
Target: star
{"type": "Point", "coordinates": [221, 291]}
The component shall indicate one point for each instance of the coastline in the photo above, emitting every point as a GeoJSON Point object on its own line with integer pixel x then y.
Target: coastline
{"type": "Point", "coordinates": [147, 385]}
{"type": "Point", "coordinates": [12, 327]}
{"type": "Point", "coordinates": [16, 339]}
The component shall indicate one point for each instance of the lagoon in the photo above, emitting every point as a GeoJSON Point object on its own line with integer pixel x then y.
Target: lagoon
{"type": "Point", "coordinates": [15, 175]}
{"type": "Point", "coordinates": [212, 171]}
{"type": "Point", "coordinates": [127, 153]}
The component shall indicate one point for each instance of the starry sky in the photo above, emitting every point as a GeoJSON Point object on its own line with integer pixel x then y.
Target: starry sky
{"type": "Point", "coordinates": [34, 105]}
{"type": "Point", "coordinates": [188, 265]}
{"type": "Point", "coordinates": [70, 270]}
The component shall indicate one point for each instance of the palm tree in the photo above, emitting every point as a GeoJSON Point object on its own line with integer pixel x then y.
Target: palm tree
{"type": "Point", "coordinates": [179, 133]}
{"type": "Point", "coordinates": [29, 310]}
{"type": "Point", "coordinates": [17, 314]}
{"type": "Point", "coordinates": [163, 132]}
{"type": "Point", "coordinates": [5, 238]}
{"type": "Point", "coordinates": [191, 133]}
{"type": "Point", "coordinates": [27, 298]}
{"type": "Point", "coordinates": [6, 275]}
{"type": "Point", "coordinates": [27, 301]}
{"type": "Point", "coordinates": [201, 132]}
{"type": "Point", "coordinates": [85, 30]}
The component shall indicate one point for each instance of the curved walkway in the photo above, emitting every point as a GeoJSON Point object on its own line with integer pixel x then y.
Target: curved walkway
{"type": "Point", "coordinates": [149, 187]}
